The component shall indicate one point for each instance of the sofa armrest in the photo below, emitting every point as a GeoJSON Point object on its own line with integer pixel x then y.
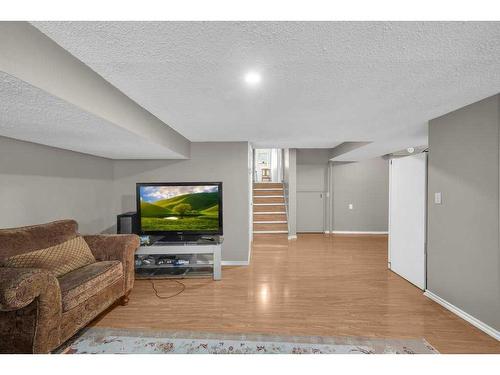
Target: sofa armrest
{"type": "Point", "coordinates": [20, 286]}
{"type": "Point", "coordinates": [120, 247]}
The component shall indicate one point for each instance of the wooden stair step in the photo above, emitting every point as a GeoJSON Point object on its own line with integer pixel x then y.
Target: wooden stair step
{"type": "Point", "coordinates": [274, 236]}
{"type": "Point", "coordinates": [257, 193]}
{"type": "Point", "coordinates": [271, 233]}
{"type": "Point", "coordinates": [267, 185]}
{"type": "Point", "coordinates": [269, 208]}
{"type": "Point", "coordinates": [268, 200]}
{"type": "Point", "coordinates": [270, 227]}
{"type": "Point", "coordinates": [269, 217]}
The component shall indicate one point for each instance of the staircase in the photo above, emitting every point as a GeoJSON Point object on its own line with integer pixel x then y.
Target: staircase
{"type": "Point", "coordinates": [269, 211]}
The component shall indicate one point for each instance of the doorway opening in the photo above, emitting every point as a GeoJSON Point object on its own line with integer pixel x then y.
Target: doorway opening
{"type": "Point", "coordinates": [268, 165]}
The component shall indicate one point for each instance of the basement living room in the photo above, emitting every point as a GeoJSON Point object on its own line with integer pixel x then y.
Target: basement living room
{"type": "Point", "coordinates": [205, 187]}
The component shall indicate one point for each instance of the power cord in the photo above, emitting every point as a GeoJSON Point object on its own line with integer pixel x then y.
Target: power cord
{"type": "Point", "coordinates": [171, 296]}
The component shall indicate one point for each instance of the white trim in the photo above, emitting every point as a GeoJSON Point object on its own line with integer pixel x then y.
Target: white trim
{"type": "Point", "coordinates": [270, 231]}
{"type": "Point", "coordinates": [235, 263]}
{"type": "Point", "coordinates": [327, 232]}
{"type": "Point", "coordinates": [356, 232]}
{"type": "Point", "coordinates": [292, 237]}
{"type": "Point", "coordinates": [268, 204]}
{"type": "Point", "coordinates": [389, 226]}
{"type": "Point", "coordinates": [269, 213]}
{"type": "Point", "coordinates": [269, 222]}
{"type": "Point", "coordinates": [465, 316]}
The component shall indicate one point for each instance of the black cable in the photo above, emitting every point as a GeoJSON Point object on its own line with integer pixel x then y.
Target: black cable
{"type": "Point", "coordinates": [167, 297]}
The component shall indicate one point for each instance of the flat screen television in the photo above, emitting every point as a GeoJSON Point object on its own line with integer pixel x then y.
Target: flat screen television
{"type": "Point", "coordinates": [180, 210]}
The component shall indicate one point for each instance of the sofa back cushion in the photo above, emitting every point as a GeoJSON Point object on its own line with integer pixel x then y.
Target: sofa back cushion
{"type": "Point", "coordinates": [21, 240]}
{"type": "Point", "coordinates": [59, 259]}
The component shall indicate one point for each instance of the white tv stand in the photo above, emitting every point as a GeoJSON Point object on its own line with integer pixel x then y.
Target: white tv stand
{"type": "Point", "coordinates": [180, 249]}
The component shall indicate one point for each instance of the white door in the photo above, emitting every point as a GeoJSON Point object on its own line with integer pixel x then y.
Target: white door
{"type": "Point", "coordinates": [407, 215]}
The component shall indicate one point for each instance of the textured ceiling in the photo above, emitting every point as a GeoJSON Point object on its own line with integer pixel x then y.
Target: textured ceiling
{"type": "Point", "coordinates": [323, 82]}
{"type": "Point", "coordinates": [30, 114]}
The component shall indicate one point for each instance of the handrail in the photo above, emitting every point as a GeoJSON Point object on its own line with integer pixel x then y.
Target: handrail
{"type": "Point", "coordinates": [285, 197]}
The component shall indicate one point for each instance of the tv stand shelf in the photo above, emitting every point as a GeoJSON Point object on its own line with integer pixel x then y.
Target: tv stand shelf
{"type": "Point", "coordinates": [190, 252]}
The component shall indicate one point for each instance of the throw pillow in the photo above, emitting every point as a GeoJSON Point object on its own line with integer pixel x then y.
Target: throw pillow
{"type": "Point", "coordinates": [59, 259]}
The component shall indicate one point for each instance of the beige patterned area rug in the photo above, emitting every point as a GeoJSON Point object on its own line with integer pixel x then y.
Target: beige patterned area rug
{"type": "Point", "coordinates": [118, 341]}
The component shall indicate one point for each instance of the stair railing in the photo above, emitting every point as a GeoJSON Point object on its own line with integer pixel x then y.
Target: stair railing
{"type": "Point", "coordinates": [285, 197]}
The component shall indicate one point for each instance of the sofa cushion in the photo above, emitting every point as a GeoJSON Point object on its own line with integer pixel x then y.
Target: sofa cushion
{"type": "Point", "coordinates": [15, 241]}
{"type": "Point", "coordinates": [59, 259]}
{"type": "Point", "coordinates": [79, 285]}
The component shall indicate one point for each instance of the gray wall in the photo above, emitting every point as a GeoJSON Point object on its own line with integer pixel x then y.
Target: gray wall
{"type": "Point", "coordinates": [250, 196]}
{"type": "Point", "coordinates": [463, 261]}
{"type": "Point", "coordinates": [312, 169]}
{"type": "Point", "coordinates": [210, 161]}
{"type": "Point", "coordinates": [313, 155]}
{"type": "Point", "coordinates": [40, 184]}
{"type": "Point", "coordinates": [365, 184]}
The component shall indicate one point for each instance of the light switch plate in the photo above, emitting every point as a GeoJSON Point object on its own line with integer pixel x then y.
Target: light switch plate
{"type": "Point", "coordinates": [437, 198]}
{"type": "Point", "coordinates": [350, 206]}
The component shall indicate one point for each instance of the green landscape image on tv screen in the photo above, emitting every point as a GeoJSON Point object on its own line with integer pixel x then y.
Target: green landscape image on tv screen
{"type": "Point", "coordinates": [179, 208]}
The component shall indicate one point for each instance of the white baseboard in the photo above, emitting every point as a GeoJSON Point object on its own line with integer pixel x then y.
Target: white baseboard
{"type": "Point", "coordinates": [465, 316]}
{"type": "Point", "coordinates": [235, 263]}
{"type": "Point", "coordinates": [356, 232]}
{"type": "Point", "coordinates": [292, 237]}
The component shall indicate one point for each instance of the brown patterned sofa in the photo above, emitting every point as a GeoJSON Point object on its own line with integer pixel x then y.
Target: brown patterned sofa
{"type": "Point", "coordinates": [39, 312]}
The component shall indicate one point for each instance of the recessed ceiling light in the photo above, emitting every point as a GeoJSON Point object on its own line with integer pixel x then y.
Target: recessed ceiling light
{"type": "Point", "coordinates": [253, 78]}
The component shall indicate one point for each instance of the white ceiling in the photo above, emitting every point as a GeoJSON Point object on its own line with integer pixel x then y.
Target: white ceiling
{"type": "Point", "coordinates": [323, 82]}
{"type": "Point", "coordinates": [31, 114]}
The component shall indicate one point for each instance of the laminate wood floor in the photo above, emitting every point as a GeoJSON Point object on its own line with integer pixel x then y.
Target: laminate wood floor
{"type": "Point", "coordinates": [326, 285]}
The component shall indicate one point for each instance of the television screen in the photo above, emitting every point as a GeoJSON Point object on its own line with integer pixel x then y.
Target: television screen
{"type": "Point", "coordinates": [180, 207]}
